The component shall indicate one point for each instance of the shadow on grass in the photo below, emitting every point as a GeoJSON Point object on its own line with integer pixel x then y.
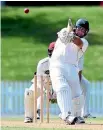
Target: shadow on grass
{"type": "Point", "coordinates": [95, 39]}
{"type": "Point", "coordinates": [38, 28]}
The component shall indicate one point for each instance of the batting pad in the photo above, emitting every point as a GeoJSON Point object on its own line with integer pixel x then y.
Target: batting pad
{"type": "Point", "coordinates": [78, 104]}
{"type": "Point", "coordinates": [32, 89]}
{"type": "Point", "coordinates": [63, 103]}
{"type": "Point", "coordinates": [29, 103]}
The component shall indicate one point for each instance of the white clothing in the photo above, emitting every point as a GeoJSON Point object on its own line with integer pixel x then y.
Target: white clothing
{"type": "Point", "coordinates": [62, 97]}
{"type": "Point", "coordinates": [42, 70]}
{"type": "Point", "coordinates": [80, 63]}
{"type": "Point", "coordinates": [63, 70]}
{"type": "Point", "coordinates": [69, 53]}
{"type": "Point", "coordinates": [64, 78]}
{"type": "Point", "coordinates": [85, 85]}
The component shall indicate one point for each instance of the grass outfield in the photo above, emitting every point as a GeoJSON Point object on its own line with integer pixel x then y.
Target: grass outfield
{"type": "Point", "coordinates": [25, 38]}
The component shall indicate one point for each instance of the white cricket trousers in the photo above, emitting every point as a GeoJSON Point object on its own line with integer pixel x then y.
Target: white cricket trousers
{"type": "Point", "coordinates": [62, 78]}
{"type": "Point", "coordinates": [85, 85]}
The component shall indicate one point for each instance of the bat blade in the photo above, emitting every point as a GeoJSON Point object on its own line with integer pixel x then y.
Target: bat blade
{"type": "Point", "coordinates": [70, 25]}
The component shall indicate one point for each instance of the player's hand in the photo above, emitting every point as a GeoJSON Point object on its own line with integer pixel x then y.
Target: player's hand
{"type": "Point", "coordinates": [53, 101]}
{"type": "Point", "coordinates": [65, 36]}
{"type": "Point", "coordinates": [52, 98]}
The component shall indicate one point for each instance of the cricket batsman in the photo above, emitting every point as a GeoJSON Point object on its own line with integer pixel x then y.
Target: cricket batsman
{"type": "Point", "coordinates": [42, 70]}
{"type": "Point", "coordinates": [69, 47]}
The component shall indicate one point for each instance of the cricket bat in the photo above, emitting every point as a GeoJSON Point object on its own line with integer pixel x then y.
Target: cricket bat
{"type": "Point", "coordinates": [70, 25]}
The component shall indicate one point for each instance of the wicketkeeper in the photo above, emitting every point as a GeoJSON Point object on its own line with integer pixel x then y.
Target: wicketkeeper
{"type": "Point", "coordinates": [42, 70]}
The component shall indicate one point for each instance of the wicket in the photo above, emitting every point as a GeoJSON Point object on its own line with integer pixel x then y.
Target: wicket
{"type": "Point", "coordinates": [41, 102]}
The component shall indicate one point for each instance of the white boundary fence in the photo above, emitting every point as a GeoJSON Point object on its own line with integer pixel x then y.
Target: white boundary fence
{"type": "Point", "coordinates": [12, 98]}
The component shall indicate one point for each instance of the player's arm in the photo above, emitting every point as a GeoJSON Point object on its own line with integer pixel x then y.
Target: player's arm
{"type": "Point", "coordinates": [39, 74]}
{"type": "Point", "coordinates": [80, 67]}
{"type": "Point", "coordinates": [81, 43]}
{"type": "Point", "coordinates": [78, 41]}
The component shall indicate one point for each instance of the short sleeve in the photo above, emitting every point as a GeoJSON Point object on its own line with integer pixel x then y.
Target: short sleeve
{"type": "Point", "coordinates": [85, 44]}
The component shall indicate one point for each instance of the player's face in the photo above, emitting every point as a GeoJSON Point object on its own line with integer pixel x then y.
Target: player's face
{"type": "Point", "coordinates": [80, 31]}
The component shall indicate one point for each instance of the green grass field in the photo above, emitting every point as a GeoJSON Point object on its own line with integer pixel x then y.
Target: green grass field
{"type": "Point", "coordinates": [25, 38]}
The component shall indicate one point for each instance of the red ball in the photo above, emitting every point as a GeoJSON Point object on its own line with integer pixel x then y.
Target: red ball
{"type": "Point", "coordinates": [26, 10]}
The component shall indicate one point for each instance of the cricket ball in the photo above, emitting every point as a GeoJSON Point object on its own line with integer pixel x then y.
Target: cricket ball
{"type": "Point", "coordinates": [26, 10]}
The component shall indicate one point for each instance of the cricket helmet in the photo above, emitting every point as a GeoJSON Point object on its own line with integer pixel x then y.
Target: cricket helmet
{"type": "Point", "coordinates": [81, 27]}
